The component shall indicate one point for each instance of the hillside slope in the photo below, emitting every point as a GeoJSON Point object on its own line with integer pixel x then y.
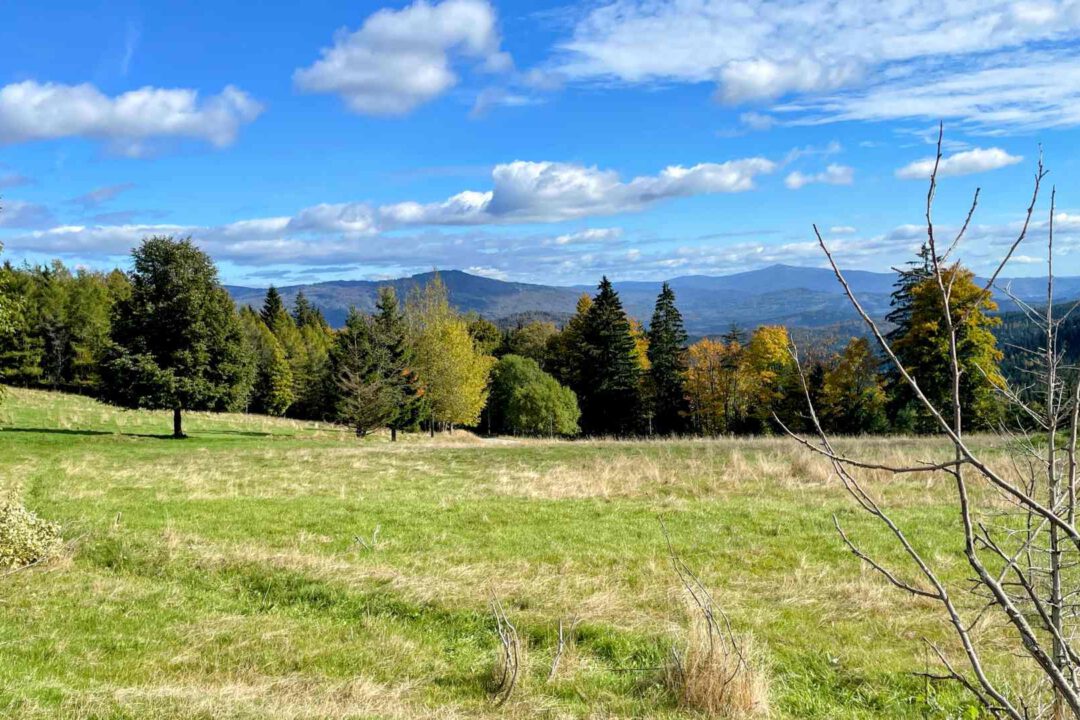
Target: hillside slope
{"type": "Point", "coordinates": [796, 296]}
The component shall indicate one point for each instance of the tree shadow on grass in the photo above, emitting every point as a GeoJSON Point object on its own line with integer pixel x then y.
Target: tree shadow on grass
{"type": "Point", "coordinates": [164, 436]}
{"type": "Point", "coordinates": [84, 433]}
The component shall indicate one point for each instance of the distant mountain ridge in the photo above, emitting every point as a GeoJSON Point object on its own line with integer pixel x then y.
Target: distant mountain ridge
{"type": "Point", "coordinates": [799, 297]}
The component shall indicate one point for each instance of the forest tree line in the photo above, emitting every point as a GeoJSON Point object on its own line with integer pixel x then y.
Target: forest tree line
{"type": "Point", "coordinates": [167, 335]}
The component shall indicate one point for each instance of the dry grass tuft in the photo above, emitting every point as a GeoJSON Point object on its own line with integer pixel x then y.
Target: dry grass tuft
{"type": "Point", "coordinates": [720, 678]}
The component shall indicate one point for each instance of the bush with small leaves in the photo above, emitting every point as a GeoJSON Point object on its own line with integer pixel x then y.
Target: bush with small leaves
{"type": "Point", "coordinates": [25, 538]}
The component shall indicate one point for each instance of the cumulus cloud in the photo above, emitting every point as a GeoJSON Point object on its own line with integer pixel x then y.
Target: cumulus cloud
{"type": "Point", "coordinates": [537, 192]}
{"type": "Point", "coordinates": [32, 111]}
{"type": "Point", "coordinates": [985, 62]}
{"type": "Point", "coordinates": [968, 162]}
{"type": "Point", "coordinates": [538, 257]}
{"type": "Point", "coordinates": [832, 175]}
{"type": "Point", "coordinates": [401, 59]}
{"type": "Point", "coordinates": [522, 193]}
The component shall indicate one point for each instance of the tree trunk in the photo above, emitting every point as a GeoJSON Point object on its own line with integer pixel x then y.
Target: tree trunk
{"type": "Point", "coordinates": [431, 426]}
{"type": "Point", "coordinates": [177, 424]}
{"type": "Point", "coordinates": [393, 434]}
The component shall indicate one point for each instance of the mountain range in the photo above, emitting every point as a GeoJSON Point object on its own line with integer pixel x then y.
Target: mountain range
{"type": "Point", "coordinates": [799, 297]}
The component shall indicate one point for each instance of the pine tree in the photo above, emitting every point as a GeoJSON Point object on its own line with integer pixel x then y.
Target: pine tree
{"type": "Point", "coordinates": [610, 374]}
{"type": "Point", "coordinates": [667, 360]}
{"type": "Point", "coordinates": [176, 341]}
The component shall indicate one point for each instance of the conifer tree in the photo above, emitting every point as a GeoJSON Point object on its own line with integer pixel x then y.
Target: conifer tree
{"type": "Point", "coordinates": [364, 398]}
{"type": "Point", "coordinates": [667, 364]}
{"type": "Point", "coordinates": [398, 371]}
{"type": "Point", "coordinates": [273, 387]}
{"type": "Point", "coordinates": [610, 375]}
{"type": "Point", "coordinates": [564, 349]}
{"type": "Point", "coordinates": [924, 350]}
{"type": "Point", "coordinates": [305, 313]}
{"type": "Point", "coordinates": [176, 341]}
{"type": "Point", "coordinates": [273, 308]}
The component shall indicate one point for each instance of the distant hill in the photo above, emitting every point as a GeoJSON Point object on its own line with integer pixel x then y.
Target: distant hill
{"type": "Point", "coordinates": [799, 297]}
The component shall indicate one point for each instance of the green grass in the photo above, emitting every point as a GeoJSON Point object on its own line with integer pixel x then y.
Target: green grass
{"type": "Point", "coordinates": [220, 576]}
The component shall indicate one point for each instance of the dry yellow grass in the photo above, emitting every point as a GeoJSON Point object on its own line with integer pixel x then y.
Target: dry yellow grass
{"type": "Point", "coordinates": [720, 677]}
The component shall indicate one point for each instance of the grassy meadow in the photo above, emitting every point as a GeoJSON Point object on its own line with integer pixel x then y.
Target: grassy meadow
{"type": "Point", "coordinates": [277, 569]}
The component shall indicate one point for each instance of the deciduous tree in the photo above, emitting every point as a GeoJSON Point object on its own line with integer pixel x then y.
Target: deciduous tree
{"type": "Point", "coordinates": [452, 371]}
{"type": "Point", "coordinates": [176, 341]}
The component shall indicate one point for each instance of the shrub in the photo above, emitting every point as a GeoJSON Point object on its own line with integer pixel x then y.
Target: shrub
{"type": "Point", "coordinates": [25, 538]}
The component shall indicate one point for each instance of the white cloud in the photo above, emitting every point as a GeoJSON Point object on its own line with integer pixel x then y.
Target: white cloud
{"type": "Point", "coordinates": [757, 121]}
{"type": "Point", "coordinates": [842, 230]}
{"type": "Point", "coordinates": [586, 237]}
{"type": "Point", "coordinates": [400, 59]}
{"type": "Point", "coordinates": [1009, 91]}
{"type": "Point", "coordinates": [488, 272]}
{"type": "Point", "coordinates": [537, 192]}
{"type": "Point", "coordinates": [521, 193]}
{"type": "Point", "coordinates": [832, 175]}
{"type": "Point", "coordinates": [42, 111]}
{"type": "Point", "coordinates": [985, 62]}
{"type": "Point", "coordinates": [962, 163]}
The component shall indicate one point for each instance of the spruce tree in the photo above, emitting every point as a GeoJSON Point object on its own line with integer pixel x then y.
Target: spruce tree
{"type": "Point", "coordinates": [176, 341]}
{"type": "Point", "coordinates": [364, 399]}
{"type": "Point", "coordinates": [901, 299]}
{"type": "Point", "coordinates": [667, 364]}
{"type": "Point", "coordinates": [305, 314]}
{"type": "Point", "coordinates": [391, 334]}
{"type": "Point", "coordinates": [273, 389]}
{"type": "Point", "coordinates": [273, 308]}
{"type": "Point", "coordinates": [610, 389]}
{"type": "Point", "coordinates": [902, 404]}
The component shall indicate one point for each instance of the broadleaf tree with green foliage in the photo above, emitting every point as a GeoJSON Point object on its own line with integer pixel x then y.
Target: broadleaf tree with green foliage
{"type": "Point", "coordinates": [525, 400]}
{"type": "Point", "coordinates": [177, 343]}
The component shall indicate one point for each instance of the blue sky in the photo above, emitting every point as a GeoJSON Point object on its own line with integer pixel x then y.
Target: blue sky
{"type": "Point", "coordinates": [535, 141]}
